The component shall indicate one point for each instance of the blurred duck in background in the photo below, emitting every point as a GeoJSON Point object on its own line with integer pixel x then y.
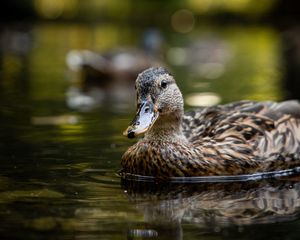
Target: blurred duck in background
{"type": "Point", "coordinates": [99, 77]}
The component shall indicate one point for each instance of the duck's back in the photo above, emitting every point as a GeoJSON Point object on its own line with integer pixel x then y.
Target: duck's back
{"type": "Point", "coordinates": [271, 130]}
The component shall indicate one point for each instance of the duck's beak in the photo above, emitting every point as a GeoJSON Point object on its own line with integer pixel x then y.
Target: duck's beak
{"type": "Point", "coordinates": [143, 120]}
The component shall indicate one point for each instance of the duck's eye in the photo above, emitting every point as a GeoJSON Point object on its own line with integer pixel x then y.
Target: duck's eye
{"type": "Point", "coordinates": [163, 84]}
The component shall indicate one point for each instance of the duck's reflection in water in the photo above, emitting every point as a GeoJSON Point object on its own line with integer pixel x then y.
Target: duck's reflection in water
{"type": "Point", "coordinates": [210, 206]}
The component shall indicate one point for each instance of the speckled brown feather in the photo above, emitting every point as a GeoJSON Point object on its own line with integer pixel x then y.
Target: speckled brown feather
{"type": "Point", "coordinates": [238, 138]}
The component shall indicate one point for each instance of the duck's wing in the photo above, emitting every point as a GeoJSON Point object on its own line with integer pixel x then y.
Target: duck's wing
{"type": "Point", "coordinates": [283, 142]}
{"type": "Point", "coordinates": [268, 130]}
{"type": "Point", "coordinates": [211, 121]}
{"type": "Point", "coordinates": [203, 122]}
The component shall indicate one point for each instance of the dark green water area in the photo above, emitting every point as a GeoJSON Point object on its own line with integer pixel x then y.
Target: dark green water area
{"type": "Point", "coordinates": [59, 159]}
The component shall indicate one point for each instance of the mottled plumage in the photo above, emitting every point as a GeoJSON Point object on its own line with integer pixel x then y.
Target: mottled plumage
{"type": "Point", "coordinates": [238, 138]}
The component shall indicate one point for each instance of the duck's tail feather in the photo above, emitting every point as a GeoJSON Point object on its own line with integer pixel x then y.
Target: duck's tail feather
{"type": "Point", "coordinates": [277, 110]}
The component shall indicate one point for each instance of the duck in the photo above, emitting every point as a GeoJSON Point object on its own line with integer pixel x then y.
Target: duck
{"type": "Point", "coordinates": [244, 137]}
{"type": "Point", "coordinates": [120, 64]}
{"type": "Point", "coordinates": [96, 79]}
{"type": "Point", "coordinates": [100, 77]}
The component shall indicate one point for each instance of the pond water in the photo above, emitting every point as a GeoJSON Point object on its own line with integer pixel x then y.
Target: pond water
{"type": "Point", "coordinates": [58, 164]}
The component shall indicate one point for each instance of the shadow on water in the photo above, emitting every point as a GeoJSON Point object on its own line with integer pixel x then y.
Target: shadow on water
{"type": "Point", "coordinates": [168, 208]}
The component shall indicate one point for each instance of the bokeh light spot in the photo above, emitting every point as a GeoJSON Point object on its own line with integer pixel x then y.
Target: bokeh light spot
{"type": "Point", "coordinates": [203, 99]}
{"type": "Point", "coordinates": [183, 21]}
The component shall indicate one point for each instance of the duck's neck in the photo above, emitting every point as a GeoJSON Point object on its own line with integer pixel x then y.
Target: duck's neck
{"type": "Point", "coordinates": [167, 128]}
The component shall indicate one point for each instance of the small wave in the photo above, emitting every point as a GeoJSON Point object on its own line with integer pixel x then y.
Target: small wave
{"type": "Point", "coordinates": [216, 179]}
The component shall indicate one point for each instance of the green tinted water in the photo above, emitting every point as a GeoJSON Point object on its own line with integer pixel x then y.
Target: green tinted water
{"type": "Point", "coordinates": [58, 165]}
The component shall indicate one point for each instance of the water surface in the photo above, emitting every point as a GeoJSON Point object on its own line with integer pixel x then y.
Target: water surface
{"type": "Point", "coordinates": [58, 165]}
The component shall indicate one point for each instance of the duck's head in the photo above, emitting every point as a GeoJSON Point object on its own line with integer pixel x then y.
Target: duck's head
{"type": "Point", "coordinates": [158, 97]}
